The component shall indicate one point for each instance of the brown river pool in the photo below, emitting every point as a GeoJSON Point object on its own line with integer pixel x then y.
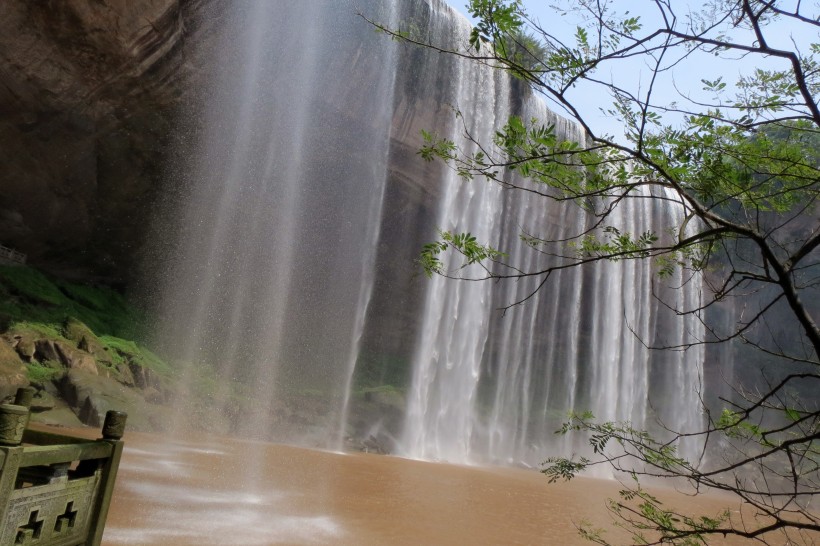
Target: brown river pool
{"type": "Point", "coordinates": [217, 491]}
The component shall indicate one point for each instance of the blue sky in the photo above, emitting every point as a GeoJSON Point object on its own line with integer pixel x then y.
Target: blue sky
{"type": "Point", "coordinates": [683, 84]}
{"type": "Point", "coordinates": [591, 98]}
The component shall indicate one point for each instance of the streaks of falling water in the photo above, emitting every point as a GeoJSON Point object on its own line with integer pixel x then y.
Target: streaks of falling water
{"type": "Point", "coordinates": [272, 272]}
{"type": "Point", "coordinates": [456, 316]}
{"type": "Point", "coordinates": [383, 111]}
{"type": "Point", "coordinates": [274, 264]}
{"type": "Point", "coordinates": [487, 388]}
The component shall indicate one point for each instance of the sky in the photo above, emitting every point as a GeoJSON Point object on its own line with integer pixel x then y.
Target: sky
{"type": "Point", "coordinates": [591, 99]}
{"type": "Point", "coordinates": [683, 85]}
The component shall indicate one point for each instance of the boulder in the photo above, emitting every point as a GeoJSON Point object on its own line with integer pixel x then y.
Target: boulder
{"type": "Point", "coordinates": [74, 330]}
{"type": "Point", "coordinates": [25, 348]}
{"type": "Point", "coordinates": [85, 340]}
{"type": "Point", "coordinates": [93, 410]}
{"type": "Point", "coordinates": [90, 396]}
{"type": "Point", "coordinates": [154, 396]}
{"type": "Point", "coordinates": [43, 401]}
{"type": "Point", "coordinates": [60, 416]}
{"type": "Point", "coordinates": [74, 359]}
{"type": "Point", "coordinates": [44, 349]}
{"type": "Point", "coordinates": [8, 356]}
{"type": "Point", "coordinates": [92, 346]}
{"type": "Point", "coordinates": [124, 375]}
{"type": "Point", "coordinates": [144, 378]}
{"type": "Point", "coordinates": [381, 444]}
{"type": "Point", "coordinates": [12, 371]}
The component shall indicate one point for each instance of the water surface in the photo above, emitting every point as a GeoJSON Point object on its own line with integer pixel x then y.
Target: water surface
{"type": "Point", "coordinates": [186, 493]}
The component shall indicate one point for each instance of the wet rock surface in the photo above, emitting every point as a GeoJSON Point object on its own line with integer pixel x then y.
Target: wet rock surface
{"type": "Point", "coordinates": [90, 103]}
{"type": "Point", "coordinates": [73, 387]}
{"type": "Point", "coordinates": [87, 95]}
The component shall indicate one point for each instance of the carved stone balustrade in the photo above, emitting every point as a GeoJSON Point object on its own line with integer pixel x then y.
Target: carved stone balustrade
{"type": "Point", "coordinates": [55, 489]}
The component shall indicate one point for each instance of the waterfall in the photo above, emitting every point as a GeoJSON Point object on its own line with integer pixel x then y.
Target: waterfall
{"type": "Point", "coordinates": [493, 388]}
{"type": "Point", "coordinates": [290, 293]}
{"type": "Point", "coordinates": [271, 274]}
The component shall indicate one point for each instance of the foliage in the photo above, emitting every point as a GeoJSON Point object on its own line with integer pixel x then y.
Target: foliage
{"type": "Point", "coordinates": [739, 159]}
{"type": "Point", "coordinates": [40, 374]}
{"type": "Point", "coordinates": [376, 371]}
{"type": "Point", "coordinates": [463, 243]}
{"type": "Point", "coordinates": [124, 350]}
{"type": "Point", "coordinates": [36, 305]}
{"type": "Point", "coordinates": [27, 294]}
{"type": "Point", "coordinates": [784, 456]}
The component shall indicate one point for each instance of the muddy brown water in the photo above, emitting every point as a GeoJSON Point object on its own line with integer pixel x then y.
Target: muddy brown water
{"type": "Point", "coordinates": [218, 491]}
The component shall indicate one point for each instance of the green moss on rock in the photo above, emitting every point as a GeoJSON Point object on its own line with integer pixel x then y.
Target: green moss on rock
{"type": "Point", "coordinates": [76, 344]}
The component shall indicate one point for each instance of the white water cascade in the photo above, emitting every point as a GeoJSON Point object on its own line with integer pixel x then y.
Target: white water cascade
{"type": "Point", "coordinates": [302, 205]}
{"type": "Point", "coordinates": [493, 388]}
{"type": "Point", "coordinates": [272, 271]}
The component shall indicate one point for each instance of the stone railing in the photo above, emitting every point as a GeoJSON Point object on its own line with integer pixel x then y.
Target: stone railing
{"type": "Point", "coordinates": [54, 489]}
{"type": "Point", "coordinates": [10, 255]}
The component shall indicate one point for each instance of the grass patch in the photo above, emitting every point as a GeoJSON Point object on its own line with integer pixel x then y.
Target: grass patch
{"type": "Point", "coordinates": [40, 329]}
{"type": "Point", "coordinates": [31, 285]}
{"type": "Point", "coordinates": [36, 304]}
{"type": "Point", "coordinates": [121, 350]}
{"type": "Point", "coordinates": [31, 296]}
{"type": "Point", "coordinates": [42, 373]}
{"type": "Point", "coordinates": [96, 298]}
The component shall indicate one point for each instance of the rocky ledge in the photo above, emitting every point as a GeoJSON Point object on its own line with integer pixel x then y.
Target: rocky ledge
{"type": "Point", "coordinates": [78, 378]}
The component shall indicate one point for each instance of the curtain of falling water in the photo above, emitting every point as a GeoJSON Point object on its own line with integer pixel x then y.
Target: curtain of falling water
{"type": "Point", "coordinates": [382, 111]}
{"type": "Point", "coordinates": [270, 278]}
{"type": "Point", "coordinates": [487, 388]}
{"type": "Point", "coordinates": [275, 251]}
{"type": "Point", "coordinates": [456, 316]}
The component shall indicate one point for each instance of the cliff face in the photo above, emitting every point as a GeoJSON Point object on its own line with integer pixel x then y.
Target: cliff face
{"type": "Point", "coordinates": [87, 95]}
{"type": "Point", "coordinates": [99, 102]}
{"type": "Point", "coordinates": [90, 95]}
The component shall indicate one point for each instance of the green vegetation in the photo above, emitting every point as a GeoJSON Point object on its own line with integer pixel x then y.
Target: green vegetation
{"type": "Point", "coordinates": [42, 373]}
{"type": "Point", "coordinates": [98, 319]}
{"type": "Point", "coordinates": [376, 372]}
{"type": "Point", "coordinates": [739, 160]}
{"type": "Point", "coordinates": [122, 350]}
{"type": "Point", "coordinates": [38, 329]}
{"type": "Point", "coordinates": [29, 295]}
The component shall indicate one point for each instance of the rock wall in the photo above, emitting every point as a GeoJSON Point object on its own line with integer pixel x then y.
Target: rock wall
{"type": "Point", "coordinates": [88, 92]}
{"type": "Point", "coordinates": [91, 94]}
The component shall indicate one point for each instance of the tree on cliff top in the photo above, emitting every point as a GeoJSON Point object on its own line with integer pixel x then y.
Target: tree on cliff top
{"type": "Point", "coordinates": [740, 157]}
